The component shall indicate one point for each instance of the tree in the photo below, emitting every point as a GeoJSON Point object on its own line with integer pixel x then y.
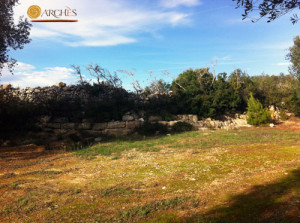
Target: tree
{"type": "Point", "coordinates": [12, 36]}
{"type": "Point", "coordinates": [294, 57]}
{"type": "Point", "coordinates": [257, 115]}
{"type": "Point", "coordinates": [272, 9]}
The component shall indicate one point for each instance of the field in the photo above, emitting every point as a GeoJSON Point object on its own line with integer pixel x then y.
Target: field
{"type": "Point", "coordinates": [243, 175]}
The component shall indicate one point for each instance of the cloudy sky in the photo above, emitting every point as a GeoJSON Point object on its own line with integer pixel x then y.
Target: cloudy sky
{"type": "Point", "coordinates": [143, 35]}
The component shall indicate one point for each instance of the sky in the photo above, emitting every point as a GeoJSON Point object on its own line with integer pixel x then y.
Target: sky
{"type": "Point", "coordinates": [148, 35]}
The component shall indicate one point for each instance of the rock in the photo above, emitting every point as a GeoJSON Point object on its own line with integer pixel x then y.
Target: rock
{"type": "Point", "coordinates": [118, 132]}
{"type": "Point", "coordinates": [183, 117]}
{"type": "Point", "coordinates": [85, 126]}
{"type": "Point", "coordinates": [133, 124]}
{"type": "Point", "coordinates": [44, 119]}
{"type": "Point", "coordinates": [127, 118]}
{"type": "Point", "coordinates": [6, 86]}
{"type": "Point", "coordinates": [194, 118]}
{"type": "Point", "coordinates": [163, 122]}
{"type": "Point", "coordinates": [141, 120]}
{"type": "Point", "coordinates": [61, 84]}
{"type": "Point", "coordinates": [115, 125]}
{"type": "Point", "coordinates": [70, 125]}
{"type": "Point", "coordinates": [60, 120]}
{"type": "Point", "coordinates": [93, 133]}
{"type": "Point", "coordinates": [53, 125]}
{"type": "Point", "coordinates": [153, 118]}
{"type": "Point", "coordinates": [240, 122]}
{"type": "Point", "coordinates": [171, 123]}
{"type": "Point", "coordinates": [6, 143]}
{"type": "Point", "coordinates": [98, 139]}
{"type": "Point", "coordinates": [100, 126]}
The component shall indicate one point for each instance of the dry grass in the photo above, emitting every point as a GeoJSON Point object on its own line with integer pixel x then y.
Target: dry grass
{"type": "Point", "coordinates": [248, 175]}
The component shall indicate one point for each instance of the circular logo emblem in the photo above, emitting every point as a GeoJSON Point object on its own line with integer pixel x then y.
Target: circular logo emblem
{"type": "Point", "coordinates": [34, 11]}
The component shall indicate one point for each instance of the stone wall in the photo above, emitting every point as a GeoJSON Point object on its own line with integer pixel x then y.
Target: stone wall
{"type": "Point", "coordinates": [129, 123]}
{"type": "Point", "coordinates": [40, 94]}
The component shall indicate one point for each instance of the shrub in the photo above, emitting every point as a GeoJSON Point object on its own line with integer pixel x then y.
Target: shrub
{"type": "Point", "coordinates": [182, 127]}
{"type": "Point", "coordinates": [152, 129]}
{"type": "Point", "coordinates": [283, 116]}
{"type": "Point", "coordinates": [257, 115]}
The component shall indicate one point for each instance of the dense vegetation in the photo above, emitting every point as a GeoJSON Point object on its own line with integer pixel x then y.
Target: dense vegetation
{"type": "Point", "coordinates": [193, 92]}
{"type": "Point", "coordinates": [198, 91]}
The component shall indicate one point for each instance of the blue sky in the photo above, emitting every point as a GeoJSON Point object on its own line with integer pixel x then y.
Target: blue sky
{"type": "Point", "coordinates": [155, 35]}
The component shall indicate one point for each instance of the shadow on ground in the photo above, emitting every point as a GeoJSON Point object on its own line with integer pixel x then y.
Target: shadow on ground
{"type": "Point", "coordinates": [275, 202]}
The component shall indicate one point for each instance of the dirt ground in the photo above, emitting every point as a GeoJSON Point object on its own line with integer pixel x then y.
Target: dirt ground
{"type": "Point", "coordinates": [57, 186]}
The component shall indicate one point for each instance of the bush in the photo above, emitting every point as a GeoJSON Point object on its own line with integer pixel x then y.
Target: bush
{"type": "Point", "coordinates": [182, 127]}
{"type": "Point", "coordinates": [283, 116]}
{"type": "Point", "coordinates": [148, 129]}
{"type": "Point", "coordinates": [257, 115]}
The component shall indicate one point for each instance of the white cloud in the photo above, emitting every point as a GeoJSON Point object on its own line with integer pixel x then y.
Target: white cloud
{"type": "Point", "coordinates": [104, 22]}
{"type": "Point", "coordinates": [283, 64]}
{"type": "Point", "coordinates": [26, 75]}
{"type": "Point", "coordinates": [176, 3]}
{"type": "Point", "coordinates": [23, 67]}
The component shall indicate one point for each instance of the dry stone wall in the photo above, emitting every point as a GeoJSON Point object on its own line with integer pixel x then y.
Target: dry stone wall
{"type": "Point", "coordinates": [130, 121]}
{"type": "Point", "coordinates": [41, 94]}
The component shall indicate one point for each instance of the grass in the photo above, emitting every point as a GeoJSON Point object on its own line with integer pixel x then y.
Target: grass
{"type": "Point", "coordinates": [195, 140]}
{"type": "Point", "coordinates": [249, 175]}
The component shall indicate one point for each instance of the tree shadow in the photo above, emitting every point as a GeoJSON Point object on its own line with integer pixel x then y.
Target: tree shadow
{"type": "Point", "coordinates": [275, 202]}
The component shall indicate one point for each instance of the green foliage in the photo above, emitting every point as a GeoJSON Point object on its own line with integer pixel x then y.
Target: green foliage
{"type": "Point", "coordinates": [294, 57]}
{"type": "Point", "coordinates": [257, 115]}
{"type": "Point", "coordinates": [200, 92]}
{"type": "Point", "coordinates": [269, 9]}
{"type": "Point", "coordinates": [157, 87]}
{"type": "Point", "coordinates": [182, 127]}
{"type": "Point", "coordinates": [148, 129]}
{"type": "Point", "coordinates": [295, 100]}
{"type": "Point", "coordinates": [282, 115]}
{"type": "Point", "coordinates": [13, 35]}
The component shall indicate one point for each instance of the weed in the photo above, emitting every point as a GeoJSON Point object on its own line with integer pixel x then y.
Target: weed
{"type": "Point", "coordinates": [117, 190]}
